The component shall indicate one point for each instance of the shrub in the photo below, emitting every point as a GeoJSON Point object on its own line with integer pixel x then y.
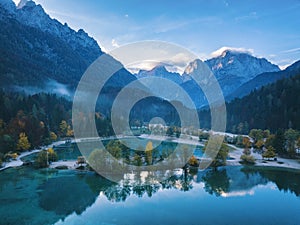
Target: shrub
{"type": "Point", "coordinates": [14, 156]}
{"type": "Point", "coordinates": [41, 160]}
{"type": "Point", "coordinates": [248, 159]}
{"type": "Point", "coordinates": [44, 157]}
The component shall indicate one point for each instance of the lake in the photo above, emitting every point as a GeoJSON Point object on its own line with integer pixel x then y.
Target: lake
{"type": "Point", "coordinates": [229, 195]}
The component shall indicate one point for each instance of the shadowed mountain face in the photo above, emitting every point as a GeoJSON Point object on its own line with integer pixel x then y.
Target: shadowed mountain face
{"type": "Point", "coordinates": [42, 55]}
{"type": "Point", "coordinates": [39, 54]}
{"type": "Point", "coordinates": [264, 79]}
{"type": "Point", "coordinates": [36, 48]}
{"type": "Point", "coordinates": [231, 69]}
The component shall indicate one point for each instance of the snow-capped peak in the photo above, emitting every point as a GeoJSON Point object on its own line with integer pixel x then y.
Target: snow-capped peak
{"type": "Point", "coordinates": [161, 71]}
{"type": "Point", "coordinates": [224, 50]}
{"type": "Point", "coordinates": [192, 66]}
{"type": "Point", "coordinates": [160, 68]}
{"type": "Point", "coordinates": [22, 3]}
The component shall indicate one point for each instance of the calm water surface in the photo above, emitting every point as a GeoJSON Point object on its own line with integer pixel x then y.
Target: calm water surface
{"type": "Point", "coordinates": [230, 195]}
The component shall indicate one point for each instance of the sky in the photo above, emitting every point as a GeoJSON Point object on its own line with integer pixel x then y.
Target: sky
{"type": "Point", "coordinates": [269, 29]}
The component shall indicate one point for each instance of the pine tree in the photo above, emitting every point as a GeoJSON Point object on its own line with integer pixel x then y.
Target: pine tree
{"type": "Point", "coordinates": [270, 153]}
{"type": "Point", "coordinates": [279, 141]}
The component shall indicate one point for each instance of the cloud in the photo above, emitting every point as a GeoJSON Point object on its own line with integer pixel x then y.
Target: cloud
{"type": "Point", "coordinates": [176, 63]}
{"type": "Point", "coordinates": [241, 50]}
{"type": "Point", "coordinates": [250, 16]}
{"type": "Point", "coordinates": [114, 43]}
{"type": "Point", "coordinates": [293, 50]}
{"type": "Point", "coordinates": [162, 24]}
{"type": "Point", "coordinates": [149, 65]}
{"type": "Point", "coordinates": [146, 65]}
{"type": "Point", "coordinates": [272, 56]}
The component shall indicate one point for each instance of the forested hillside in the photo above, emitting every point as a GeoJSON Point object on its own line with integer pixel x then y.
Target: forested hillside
{"type": "Point", "coordinates": [37, 117]}
{"type": "Point", "coordinates": [272, 107]}
{"type": "Point", "coordinates": [27, 122]}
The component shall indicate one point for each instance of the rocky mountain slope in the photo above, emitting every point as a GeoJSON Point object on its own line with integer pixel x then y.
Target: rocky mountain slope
{"type": "Point", "coordinates": [264, 79]}
{"type": "Point", "coordinates": [232, 69]}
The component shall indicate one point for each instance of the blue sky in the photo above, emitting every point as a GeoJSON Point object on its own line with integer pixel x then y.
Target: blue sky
{"type": "Point", "coordinates": [269, 29]}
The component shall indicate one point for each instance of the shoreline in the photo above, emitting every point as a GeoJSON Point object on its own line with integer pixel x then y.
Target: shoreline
{"type": "Point", "coordinates": [18, 162]}
{"type": "Point", "coordinates": [236, 154]}
{"type": "Point", "coordinates": [260, 162]}
{"type": "Point", "coordinates": [192, 140]}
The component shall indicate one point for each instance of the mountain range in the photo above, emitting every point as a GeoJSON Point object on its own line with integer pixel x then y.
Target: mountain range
{"type": "Point", "coordinates": [36, 49]}
{"type": "Point", "coordinates": [40, 54]}
{"type": "Point", "coordinates": [232, 70]}
{"type": "Point", "coordinates": [264, 79]}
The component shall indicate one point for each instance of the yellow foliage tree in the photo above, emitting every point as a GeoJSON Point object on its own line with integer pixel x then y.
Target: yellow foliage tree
{"type": "Point", "coordinates": [149, 151]}
{"type": "Point", "coordinates": [70, 132]}
{"type": "Point", "coordinates": [51, 151]}
{"type": "Point", "coordinates": [63, 127]}
{"type": "Point", "coordinates": [52, 155]}
{"type": "Point", "coordinates": [14, 156]}
{"type": "Point", "coordinates": [42, 124]}
{"type": "Point", "coordinates": [23, 143]}
{"type": "Point", "coordinates": [53, 136]}
{"type": "Point", "coordinates": [259, 144]}
{"type": "Point", "coordinates": [246, 142]}
{"type": "Point", "coordinates": [298, 142]}
{"type": "Point", "coordinates": [149, 146]}
{"type": "Point", "coordinates": [193, 161]}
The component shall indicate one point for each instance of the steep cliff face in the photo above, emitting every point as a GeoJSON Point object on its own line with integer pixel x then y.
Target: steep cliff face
{"type": "Point", "coordinates": [232, 69]}
{"type": "Point", "coordinates": [36, 49]}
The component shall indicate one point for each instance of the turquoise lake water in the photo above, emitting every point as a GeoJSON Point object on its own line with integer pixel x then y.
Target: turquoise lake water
{"type": "Point", "coordinates": [229, 195]}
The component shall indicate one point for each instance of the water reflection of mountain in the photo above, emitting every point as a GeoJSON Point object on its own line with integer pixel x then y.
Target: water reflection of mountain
{"type": "Point", "coordinates": [54, 195]}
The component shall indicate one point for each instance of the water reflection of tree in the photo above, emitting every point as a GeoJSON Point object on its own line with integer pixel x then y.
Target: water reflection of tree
{"type": "Point", "coordinates": [216, 181]}
{"type": "Point", "coordinates": [285, 179]}
{"type": "Point", "coordinates": [67, 194]}
{"type": "Point", "coordinates": [117, 192]}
